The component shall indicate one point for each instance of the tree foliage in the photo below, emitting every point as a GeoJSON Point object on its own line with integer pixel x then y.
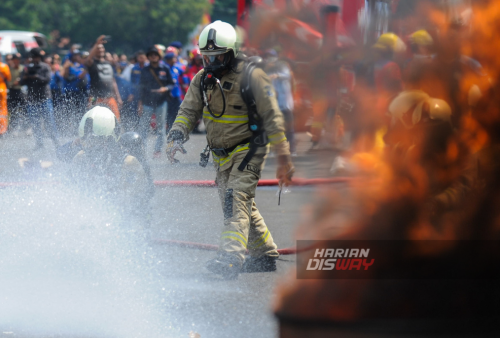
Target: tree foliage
{"type": "Point", "coordinates": [133, 24]}
{"type": "Point", "coordinates": [225, 10]}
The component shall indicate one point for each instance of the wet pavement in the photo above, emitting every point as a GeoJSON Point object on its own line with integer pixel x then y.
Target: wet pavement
{"type": "Point", "coordinates": [181, 295]}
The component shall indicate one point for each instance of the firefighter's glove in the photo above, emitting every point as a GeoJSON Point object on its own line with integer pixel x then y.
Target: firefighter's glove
{"type": "Point", "coordinates": [175, 139]}
{"type": "Point", "coordinates": [285, 170]}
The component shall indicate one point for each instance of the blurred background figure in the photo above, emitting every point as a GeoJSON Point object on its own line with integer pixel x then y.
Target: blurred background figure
{"type": "Point", "coordinates": [5, 78]}
{"type": "Point", "coordinates": [122, 63]}
{"type": "Point", "coordinates": [16, 100]}
{"type": "Point", "coordinates": [195, 66]}
{"type": "Point", "coordinates": [127, 112]}
{"type": "Point", "coordinates": [174, 99]}
{"type": "Point", "coordinates": [76, 85]}
{"type": "Point", "coordinates": [39, 106]}
{"type": "Point", "coordinates": [280, 74]}
{"type": "Point", "coordinates": [103, 88]}
{"type": "Point", "coordinates": [56, 89]}
{"type": "Point", "coordinates": [127, 71]}
{"type": "Point", "coordinates": [178, 45]}
{"type": "Point", "coordinates": [384, 74]}
{"type": "Point", "coordinates": [135, 79]}
{"type": "Point", "coordinates": [155, 89]}
{"type": "Point", "coordinates": [421, 61]}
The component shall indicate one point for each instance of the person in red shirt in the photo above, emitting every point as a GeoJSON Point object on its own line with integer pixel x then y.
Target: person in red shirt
{"type": "Point", "coordinates": [196, 64]}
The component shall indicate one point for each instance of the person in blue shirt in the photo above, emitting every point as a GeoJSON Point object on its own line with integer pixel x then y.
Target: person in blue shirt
{"type": "Point", "coordinates": [281, 76]}
{"type": "Point", "coordinates": [56, 84]}
{"type": "Point", "coordinates": [128, 112]}
{"type": "Point", "coordinates": [174, 101]}
{"type": "Point", "coordinates": [56, 81]}
{"type": "Point", "coordinates": [180, 61]}
{"type": "Point", "coordinates": [135, 80]}
{"type": "Point", "coordinates": [75, 88]}
{"type": "Point", "coordinates": [155, 87]}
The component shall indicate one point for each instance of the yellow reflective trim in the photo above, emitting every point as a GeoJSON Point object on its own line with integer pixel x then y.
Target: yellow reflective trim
{"type": "Point", "coordinates": [183, 120]}
{"type": "Point", "coordinates": [237, 239]}
{"type": "Point", "coordinates": [261, 241]}
{"type": "Point", "coordinates": [226, 118]}
{"type": "Point", "coordinates": [278, 141]}
{"type": "Point", "coordinates": [223, 121]}
{"type": "Point", "coordinates": [235, 233]}
{"type": "Point", "coordinates": [277, 135]}
{"type": "Point", "coordinates": [245, 147]}
{"type": "Point", "coordinates": [180, 121]}
{"type": "Point", "coordinates": [277, 138]}
{"type": "Point", "coordinates": [228, 157]}
{"type": "Point", "coordinates": [225, 115]}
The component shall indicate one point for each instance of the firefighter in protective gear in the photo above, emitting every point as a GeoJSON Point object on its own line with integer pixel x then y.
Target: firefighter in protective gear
{"type": "Point", "coordinates": [420, 122]}
{"type": "Point", "coordinates": [390, 42]}
{"type": "Point", "coordinates": [102, 169]}
{"type": "Point", "coordinates": [421, 38]}
{"type": "Point", "coordinates": [386, 72]}
{"type": "Point", "coordinates": [215, 95]}
{"type": "Point", "coordinates": [409, 108]}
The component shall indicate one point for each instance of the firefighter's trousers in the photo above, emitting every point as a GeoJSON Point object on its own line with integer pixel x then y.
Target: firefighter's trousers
{"type": "Point", "coordinates": [244, 227]}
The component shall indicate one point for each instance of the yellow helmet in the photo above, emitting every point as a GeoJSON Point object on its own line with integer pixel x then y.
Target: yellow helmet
{"type": "Point", "coordinates": [475, 95]}
{"type": "Point", "coordinates": [438, 110]}
{"type": "Point", "coordinates": [409, 106]}
{"type": "Point", "coordinates": [390, 42]}
{"type": "Point", "coordinates": [421, 38]}
{"type": "Point", "coordinates": [403, 106]}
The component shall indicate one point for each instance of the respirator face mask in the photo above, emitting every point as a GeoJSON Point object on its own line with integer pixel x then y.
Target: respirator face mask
{"type": "Point", "coordinates": [216, 64]}
{"type": "Point", "coordinates": [216, 59]}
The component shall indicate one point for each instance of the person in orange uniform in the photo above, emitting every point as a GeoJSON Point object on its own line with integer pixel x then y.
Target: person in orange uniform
{"type": "Point", "coordinates": [4, 78]}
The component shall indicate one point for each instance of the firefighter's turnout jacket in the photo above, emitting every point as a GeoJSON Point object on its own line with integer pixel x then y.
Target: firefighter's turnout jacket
{"type": "Point", "coordinates": [244, 227]}
{"type": "Point", "coordinates": [232, 128]}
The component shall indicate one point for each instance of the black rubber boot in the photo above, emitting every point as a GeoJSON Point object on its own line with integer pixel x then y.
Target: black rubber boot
{"type": "Point", "coordinates": [259, 264]}
{"type": "Point", "coordinates": [226, 265]}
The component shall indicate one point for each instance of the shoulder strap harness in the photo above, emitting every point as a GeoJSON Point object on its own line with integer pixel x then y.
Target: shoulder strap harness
{"type": "Point", "coordinates": [259, 136]}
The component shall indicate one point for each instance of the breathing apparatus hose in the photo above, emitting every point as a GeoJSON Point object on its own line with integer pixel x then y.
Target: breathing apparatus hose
{"type": "Point", "coordinates": [204, 90]}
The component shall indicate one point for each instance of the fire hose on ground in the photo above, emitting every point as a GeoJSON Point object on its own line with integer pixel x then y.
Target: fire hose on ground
{"type": "Point", "coordinates": [207, 183]}
{"type": "Point", "coordinates": [299, 182]}
{"type": "Point", "coordinates": [210, 247]}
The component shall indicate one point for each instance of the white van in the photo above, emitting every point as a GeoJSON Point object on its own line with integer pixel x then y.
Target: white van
{"type": "Point", "coordinates": [20, 42]}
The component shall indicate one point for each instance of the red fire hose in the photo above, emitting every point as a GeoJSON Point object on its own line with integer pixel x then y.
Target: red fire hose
{"type": "Point", "coordinates": [210, 247]}
{"type": "Point", "coordinates": [194, 183]}
{"type": "Point", "coordinates": [262, 183]}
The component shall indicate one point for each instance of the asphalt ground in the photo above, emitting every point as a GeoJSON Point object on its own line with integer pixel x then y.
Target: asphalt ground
{"type": "Point", "coordinates": [67, 271]}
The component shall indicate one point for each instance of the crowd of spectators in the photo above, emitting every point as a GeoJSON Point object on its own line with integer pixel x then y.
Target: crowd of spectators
{"type": "Point", "coordinates": [58, 89]}
{"type": "Point", "coordinates": [144, 90]}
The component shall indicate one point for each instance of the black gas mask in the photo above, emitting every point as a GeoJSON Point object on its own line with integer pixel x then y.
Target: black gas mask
{"type": "Point", "coordinates": [214, 66]}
